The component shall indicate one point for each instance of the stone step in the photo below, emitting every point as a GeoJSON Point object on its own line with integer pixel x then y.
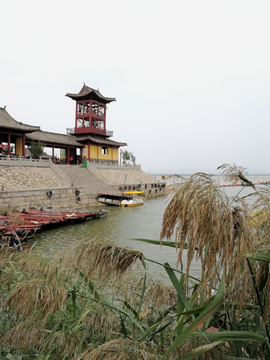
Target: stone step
{"type": "Point", "coordinates": [80, 176]}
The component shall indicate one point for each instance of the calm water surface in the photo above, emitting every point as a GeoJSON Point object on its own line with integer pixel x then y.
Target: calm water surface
{"type": "Point", "coordinates": [121, 226]}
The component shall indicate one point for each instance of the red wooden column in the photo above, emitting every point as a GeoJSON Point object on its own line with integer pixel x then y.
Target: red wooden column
{"type": "Point", "coordinates": [53, 154]}
{"type": "Point", "coordinates": [9, 143]}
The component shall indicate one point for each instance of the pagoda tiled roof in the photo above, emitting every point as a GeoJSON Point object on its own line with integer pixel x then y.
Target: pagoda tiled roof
{"type": "Point", "coordinates": [100, 140]}
{"type": "Point", "coordinates": [7, 122]}
{"type": "Point", "coordinates": [50, 138]}
{"type": "Point", "coordinates": [89, 93]}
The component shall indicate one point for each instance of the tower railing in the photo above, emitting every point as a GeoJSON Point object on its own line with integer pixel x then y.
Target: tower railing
{"type": "Point", "coordinates": [71, 131]}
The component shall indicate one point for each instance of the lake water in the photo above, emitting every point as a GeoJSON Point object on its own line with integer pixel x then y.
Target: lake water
{"type": "Point", "coordinates": [121, 226]}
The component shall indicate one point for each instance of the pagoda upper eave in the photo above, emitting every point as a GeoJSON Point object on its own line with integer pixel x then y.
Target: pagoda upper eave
{"type": "Point", "coordinates": [89, 93]}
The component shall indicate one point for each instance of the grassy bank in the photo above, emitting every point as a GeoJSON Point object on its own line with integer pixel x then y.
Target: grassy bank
{"type": "Point", "coordinates": [97, 301]}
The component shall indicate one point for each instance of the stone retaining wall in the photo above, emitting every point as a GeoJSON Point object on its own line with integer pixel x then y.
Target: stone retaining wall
{"type": "Point", "coordinates": [63, 198]}
{"type": "Point", "coordinates": [22, 187]}
{"type": "Point", "coordinates": [24, 177]}
{"type": "Point", "coordinates": [57, 198]}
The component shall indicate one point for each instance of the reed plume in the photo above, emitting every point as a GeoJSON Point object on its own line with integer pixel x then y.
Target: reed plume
{"type": "Point", "coordinates": [216, 231]}
{"type": "Point", "coordinates": [101, 258]}
{"type": "Point", "coordinates": [37, 295]}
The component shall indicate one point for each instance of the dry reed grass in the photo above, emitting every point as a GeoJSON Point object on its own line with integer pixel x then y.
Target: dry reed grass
{"type": "Point", "coordinates": [25, 334]}
{"type": "Point", "coordinates": [6, 255]}
{"type": "Point", "coordinates": [44, 296]}
{"type": "Point", "coordinates": [261, 222]}
{"type": "Point", "coordinates": [100, 319]}
{"type": "Point", "coordinates": [66, 343]}
{"type": "Point", "coordinates": [216, 232]}
{"type": "Point", "coordinates": [120, 349]}
{"type": "Point", "coordinates": [157, 295]}
{"type": "Point", "coordinates": [100, 258]}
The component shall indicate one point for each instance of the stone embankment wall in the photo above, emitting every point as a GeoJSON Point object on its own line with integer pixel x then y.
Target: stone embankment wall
{"type": "Point", "coordinates": [26, 177]}
{"type": "Point", "coordinates": [22, 187]}
{"type": "Point", "coordinates": [56, 198]}
{"type": "Point", "coordinates": [125, 175]}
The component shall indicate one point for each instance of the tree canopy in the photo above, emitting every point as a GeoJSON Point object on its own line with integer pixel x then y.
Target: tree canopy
{"type": "Point", "coordinates": [36, 149]}
{"type": "Point", "coordinates": [128, 158]}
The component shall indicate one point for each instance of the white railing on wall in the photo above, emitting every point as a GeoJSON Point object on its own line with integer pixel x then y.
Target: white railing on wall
{"type": "Point", "coordinates": [107, 165]}
{"type": "Point", "coordinates": [16, 160]}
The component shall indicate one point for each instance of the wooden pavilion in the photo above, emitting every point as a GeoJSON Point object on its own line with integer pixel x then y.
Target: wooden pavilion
{"type": "Point", "coordinates": [90, 126]}
{"type": "Point", "coordinates": [13, 132]}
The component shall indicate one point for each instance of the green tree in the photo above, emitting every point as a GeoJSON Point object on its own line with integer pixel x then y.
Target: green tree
{"type": "Point", "coordinates": [128, 158]}
{"type": "Point", "coordinates": [36, 149]}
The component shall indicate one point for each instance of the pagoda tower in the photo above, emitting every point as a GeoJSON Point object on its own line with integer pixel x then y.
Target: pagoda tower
{"type": "Point", "coordinates": [90, 126]}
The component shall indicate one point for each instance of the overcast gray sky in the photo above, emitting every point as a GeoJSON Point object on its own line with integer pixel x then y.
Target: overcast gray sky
{"type": "Point", "coordinates": [191, 77]}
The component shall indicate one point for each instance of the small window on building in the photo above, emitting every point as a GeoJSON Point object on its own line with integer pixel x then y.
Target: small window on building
{"type": "Point", "coordinates": [86, 107]}
{"type": "Point", "coordinates": [101, 111]}
{"type": "Point", "coordinates": [80, 108]}
{"type": "Point", "coordinates": [86, 122]}
{"type": "Point", "coordinates": [94, 123]}
{"type": "Point", "coordinates": [79, 122]}
{"type": "Point", "coordinates": [104, 151]}
{"type": "Point", "coordinates": [94, 108]}
{"type": "Point", "coordinates": [101, 125]}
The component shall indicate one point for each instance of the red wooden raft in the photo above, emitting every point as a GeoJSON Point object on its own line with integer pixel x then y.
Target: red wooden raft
{"type": "Point", "coordinates": [17, 227]}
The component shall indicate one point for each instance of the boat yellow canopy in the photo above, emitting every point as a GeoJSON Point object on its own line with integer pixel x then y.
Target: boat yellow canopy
{"type": "Point", "coordinates": [132, 192]}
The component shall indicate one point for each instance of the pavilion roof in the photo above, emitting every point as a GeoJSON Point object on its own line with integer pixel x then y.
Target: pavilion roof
{"type": "Point", "coordinates": [100, 140]}
{"type": "Point", "coordinates": [49, 138]}
{"type": "Point", "coordinates": [7, 121]}
{"type": "Point", "coordinates": [89, 93]}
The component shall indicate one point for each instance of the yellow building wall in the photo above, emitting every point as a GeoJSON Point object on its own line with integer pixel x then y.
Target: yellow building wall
{"type": "Point", "coordinates": [115, 154]}
{"type": "Point", "coordinates": [97, 151]}
{"type": "Point", "coordinates": [107, 156]}
{"type": "Point", "coordinates": [93, 152]}
{"type": "Point", "coordinates": [18, 146]}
